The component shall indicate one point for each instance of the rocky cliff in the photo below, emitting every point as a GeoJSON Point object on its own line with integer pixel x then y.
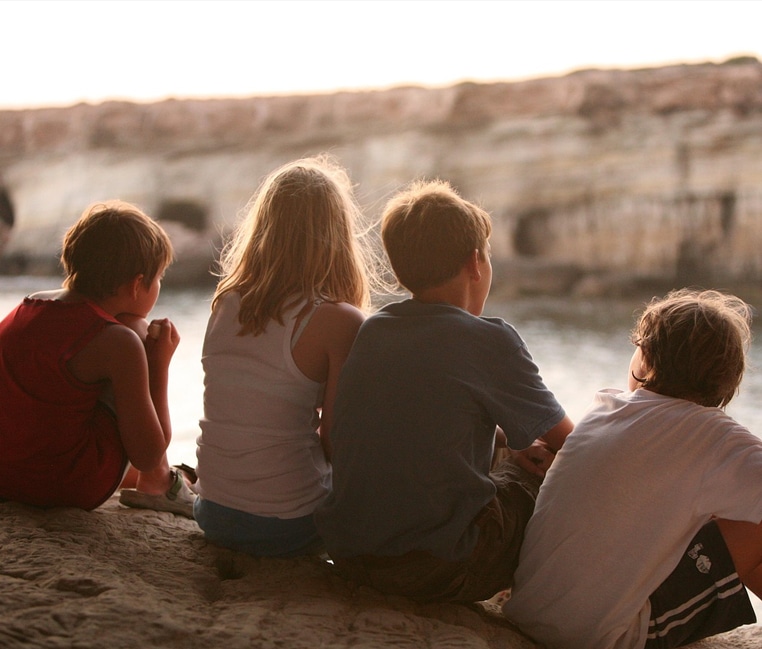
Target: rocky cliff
{"type": "Point", "coordinates": [598, 181]}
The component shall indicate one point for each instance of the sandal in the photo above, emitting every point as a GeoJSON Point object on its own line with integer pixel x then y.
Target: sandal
{"type": "Point", "coordinates": [178, 499]}
{"type": "Point", "coordinates": [189, 473]}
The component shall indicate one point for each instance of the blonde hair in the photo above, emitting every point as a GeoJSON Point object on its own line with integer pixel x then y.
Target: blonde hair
{"type": "Point", "coordinates": [109, 245]}
{"type": "Point", "coordinates": [429, 231]}
{"type": "Point", "coordinates": [299, 239]}
{"type": "Point", "coordinates": [694, 345]}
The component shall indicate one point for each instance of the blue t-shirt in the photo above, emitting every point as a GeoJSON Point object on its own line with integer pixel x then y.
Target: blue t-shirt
{"type": "Point", "coordinates": [414, 425]}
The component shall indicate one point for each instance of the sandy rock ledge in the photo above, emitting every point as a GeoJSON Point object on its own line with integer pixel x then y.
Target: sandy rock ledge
{"type": "Point", "coordinates": [117, 578]}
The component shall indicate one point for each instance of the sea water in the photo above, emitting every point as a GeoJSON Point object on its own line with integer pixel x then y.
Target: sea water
{"type": "Point", "coordinates": [580, 346]}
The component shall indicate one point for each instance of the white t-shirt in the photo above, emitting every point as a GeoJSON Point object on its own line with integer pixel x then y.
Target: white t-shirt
{"type": "Point", "coordinates": [259, 450]}
{"type": "Point", "coordinates": [634, 482]}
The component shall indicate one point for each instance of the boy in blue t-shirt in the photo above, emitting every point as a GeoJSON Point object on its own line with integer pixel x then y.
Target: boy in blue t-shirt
{"type": "Point", "coordinates": [428, 388]}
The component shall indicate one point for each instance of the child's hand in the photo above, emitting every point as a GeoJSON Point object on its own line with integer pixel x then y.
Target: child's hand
{"type": "Point", "coordinates": [536, 459]}
{"type": "Point", "coordinates": [154, 330]}
{"type": "Point", "coordinates": [161, 342]}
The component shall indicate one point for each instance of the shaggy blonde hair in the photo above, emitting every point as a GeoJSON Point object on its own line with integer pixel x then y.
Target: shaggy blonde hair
{"type": "Point", "coordinates": [694, 345]}
{"type": "Point", "coordinates": [109, 245]}
{"type": "Point", "coordinates": [299, 239]}
{"type": "Point", "coordinates": [429, 231]}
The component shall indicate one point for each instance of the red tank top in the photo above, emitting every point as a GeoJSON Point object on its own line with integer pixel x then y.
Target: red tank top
{"type": "Point", "coordinates": [59, 445]}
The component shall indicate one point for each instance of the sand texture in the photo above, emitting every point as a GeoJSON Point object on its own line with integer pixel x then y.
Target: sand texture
{"type": "Point", "coordinates": [121, 578]}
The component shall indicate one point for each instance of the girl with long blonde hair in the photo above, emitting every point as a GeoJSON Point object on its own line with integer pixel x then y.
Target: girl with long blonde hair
{"type": "Point", "coordinates": [294, 290]}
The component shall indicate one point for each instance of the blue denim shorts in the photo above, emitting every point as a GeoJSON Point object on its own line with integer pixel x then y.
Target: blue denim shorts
{"type": "Point", "coordinates": [261, 536]}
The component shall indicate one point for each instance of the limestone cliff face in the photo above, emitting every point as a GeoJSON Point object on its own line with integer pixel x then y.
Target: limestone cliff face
{"type": "Point", "coordinates": [597, 180]}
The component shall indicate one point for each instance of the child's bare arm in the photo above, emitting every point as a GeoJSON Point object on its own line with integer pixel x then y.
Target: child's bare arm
{"type": "Point", "coordinates": [538, 457]}
{"type": "Point", "coordinates": [342, 334]}
{"type": "Point", "coordinates": [140, 325]}
{"type": "Point", "coordinates": [557, 435]}
{"type": "Point", "coordinates": [160, 345]}
{"type": "Point", "coordinates": [139, 377]}
{"type": "Point", "coordinates": [321, 351]}
{"type": "Point", "coordinates": [135, 322]}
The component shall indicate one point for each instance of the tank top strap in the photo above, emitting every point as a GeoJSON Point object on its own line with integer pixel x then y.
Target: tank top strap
{"type": "Point", "coordinates": [305, 321]}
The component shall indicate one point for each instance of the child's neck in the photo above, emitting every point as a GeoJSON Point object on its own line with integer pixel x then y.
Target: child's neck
{"type": "Point", "coordinates": [454, 292]}
{"type": "Point", "coordinates": [440, 297]}
{"type": "Point", "coordinates": [114, 304]}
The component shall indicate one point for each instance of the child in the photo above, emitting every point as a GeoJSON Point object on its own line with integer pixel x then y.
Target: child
{"type": "Point", "coordinates": [651, 511]}
{"type": "Point", "coordinates": [64, 353]}
{"type": "Point", "coordinates": [285, 313]}
{"type": "Point", "coordinates": [415, 510]}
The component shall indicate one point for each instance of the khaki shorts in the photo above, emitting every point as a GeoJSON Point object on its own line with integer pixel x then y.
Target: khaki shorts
{"type": "Point", "coordinates": [422, 576]}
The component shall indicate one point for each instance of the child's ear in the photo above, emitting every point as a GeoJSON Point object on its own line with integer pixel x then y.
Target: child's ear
{"type": "Point", "coordinates": [473, 263]}
{"type": "Point", "coordinates": [134, 285]}
{"type": "Point", "coordinates": [643, 369]}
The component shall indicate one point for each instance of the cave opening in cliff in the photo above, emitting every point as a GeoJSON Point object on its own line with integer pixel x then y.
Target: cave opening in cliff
{"type": "Point", "coordinates": [727, 212]}
{"type": "Point", "coordinates": [188, 213]}
{"type": "Point", "coordinates": [532, 232]}
{"type": "Point", "coordinates": [7, 214]}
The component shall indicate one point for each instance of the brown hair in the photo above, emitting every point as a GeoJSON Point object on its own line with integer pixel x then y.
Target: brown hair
{"type": "Point", "coordinates": [694, 345]}
{"type": "Point", "coordinates": [299, 239]}
{"type": "Point", "coordinates": [429, 231]}
{"type": "Point", "coordinates": [110, 244]}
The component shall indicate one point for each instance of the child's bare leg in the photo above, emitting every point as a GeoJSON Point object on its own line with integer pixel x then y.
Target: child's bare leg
{"type": "Point", "coordinates": [744, 541]}
{"type": "Point", "coordinates": [155, 482]}
{"type": "Point", "coordinates": [130, 478]}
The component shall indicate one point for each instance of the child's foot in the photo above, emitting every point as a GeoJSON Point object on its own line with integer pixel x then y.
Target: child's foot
{"type": "Point", "coordinates": [178, 499]}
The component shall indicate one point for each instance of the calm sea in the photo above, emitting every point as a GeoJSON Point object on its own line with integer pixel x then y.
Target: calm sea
{"type": "Point", "coordinates": [579, 346]}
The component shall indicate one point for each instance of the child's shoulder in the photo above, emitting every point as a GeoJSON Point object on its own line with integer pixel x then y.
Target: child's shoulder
{"type": "Point", "coordinates": [339, 309]}
{"type": "Point", "coordinates": [455, 320]}
{"type": "Point", "coordinates": [114, 350]}
{"type": "Point", "coordinates": [338, 314]}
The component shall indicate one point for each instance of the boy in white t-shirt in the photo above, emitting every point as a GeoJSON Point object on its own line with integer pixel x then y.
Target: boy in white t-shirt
{"type": "Point", "coordinates": [647, 525]}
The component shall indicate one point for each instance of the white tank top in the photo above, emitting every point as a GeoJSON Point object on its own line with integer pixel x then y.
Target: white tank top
{"type": "Point", "coordinates": [259, 450]}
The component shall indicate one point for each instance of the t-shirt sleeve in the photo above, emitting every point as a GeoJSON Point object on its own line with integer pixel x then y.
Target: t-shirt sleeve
{"type": "Point", "coordinates": [735, 467]}
{"type": "Point", "coordinates": [517, 397]}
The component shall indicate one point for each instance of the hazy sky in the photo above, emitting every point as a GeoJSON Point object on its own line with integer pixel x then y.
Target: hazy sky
{"type": "Point", "coordinates": [62, 52]}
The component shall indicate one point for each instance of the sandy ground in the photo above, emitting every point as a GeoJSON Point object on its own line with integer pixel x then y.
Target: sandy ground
{"type": "Point", "coordinates": [117, 578]}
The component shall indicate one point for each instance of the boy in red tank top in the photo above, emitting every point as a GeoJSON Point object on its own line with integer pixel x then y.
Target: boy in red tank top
{"type": "Point", "coordinates": [66, 353]}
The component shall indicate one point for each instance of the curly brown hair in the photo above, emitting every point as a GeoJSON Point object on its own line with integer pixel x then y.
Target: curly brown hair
{"type": "Point", "coordinates": [694, 345]}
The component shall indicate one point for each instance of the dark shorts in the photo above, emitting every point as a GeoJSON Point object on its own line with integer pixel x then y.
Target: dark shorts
{"type": "Point", "coordinates": [261, 536]}
{"type": "Point", "coordinates": [703, 596]}
{"type": "Point", "coordinates": [424, 577]}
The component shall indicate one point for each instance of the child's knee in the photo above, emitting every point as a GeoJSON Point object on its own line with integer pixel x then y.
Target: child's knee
{"type": "Point", "coordinates": [135, 322]}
